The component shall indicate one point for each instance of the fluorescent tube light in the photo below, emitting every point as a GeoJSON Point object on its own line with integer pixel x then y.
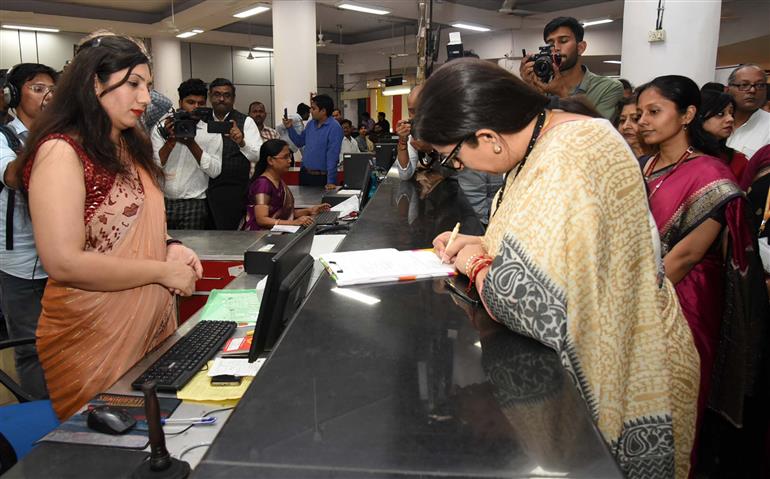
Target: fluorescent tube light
{"type": "Point", "coordinates": [614, 62]}
{"type": "Point", "coordinates": [357, 296]}
{"type": "Point", "coordinates": [196, 30]}
{"type": "Point", "coordinates": [252, 11]}
{"type": "Point", "coordinates": [186, 35]}
{"type": "Point", "coordinates": [31, 29]}
{"type": "Point", "coordinates": [363, 9]}
{"type": "Point", "coordinates": [596, 22]}
{"type": "Point", "coordinates": [262, 49]}
{"type": "Point", "coordinates": [475, 28]}
{"type": "Point", "coordinates": [396, 90]}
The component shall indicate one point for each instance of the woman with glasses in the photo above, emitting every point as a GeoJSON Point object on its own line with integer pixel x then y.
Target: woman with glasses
{"type": "Point", "coordinates": [569, 257]}
{"type": "Point", "coordinates": [706, 241]}
{"type": "Point", "coordinates": [100, 227]}
{"type": "Point", "coordinates": [270, 202]}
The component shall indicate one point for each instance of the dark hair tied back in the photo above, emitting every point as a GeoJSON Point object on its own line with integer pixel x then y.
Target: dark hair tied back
{"type": "Point", "coordinates": [685, 93]}
{"type": "Point", "coordinates": [268, 149]}
{"type": "Point", "coordinates": [466, 95]}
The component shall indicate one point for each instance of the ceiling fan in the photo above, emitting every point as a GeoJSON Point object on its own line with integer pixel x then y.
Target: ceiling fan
{"type": "Point", "coordinates": [170, 25]}
{"type": "Point", "coordinates": [509, 8]}
{"type": "Point", "coordinates": [321, 41]}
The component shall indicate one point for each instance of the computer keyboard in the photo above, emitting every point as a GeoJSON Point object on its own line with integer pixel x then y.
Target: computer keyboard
{"type": "Point", "coordinates": [185, 358]}
{"type": "Point", "coordinates": [326, 217]}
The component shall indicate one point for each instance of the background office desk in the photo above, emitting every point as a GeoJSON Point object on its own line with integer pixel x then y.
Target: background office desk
{"type": "Point", "coordinates": [414, 384]}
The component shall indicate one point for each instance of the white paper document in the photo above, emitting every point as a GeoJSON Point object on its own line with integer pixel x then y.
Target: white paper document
{"type": "Point", "coordinates": [381, 265]}
{"type": "Point", "coordinates": [348, 192]}
{"type": "Point", "coordinates": [348, 206]}
{"type": "Point", "coordinates": [284, 229]}
{"type": "Point", "coordinates": [235, 367]}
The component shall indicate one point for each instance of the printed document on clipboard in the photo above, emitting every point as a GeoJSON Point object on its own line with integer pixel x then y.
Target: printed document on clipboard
{"type": "Point", "coordinates": [384, 265]}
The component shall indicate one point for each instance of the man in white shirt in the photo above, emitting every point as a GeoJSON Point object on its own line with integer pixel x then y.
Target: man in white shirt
{"type": "Point", "coordinates": [22, 278]}
{"type": "Point", "coordinates": [748, 86]}
{"type": "Point", "coordinates": [349, 144]}
{"type": "Point", "coordinates": [240, 148]}
{"type": "Point", "coordinates": [187, 162]}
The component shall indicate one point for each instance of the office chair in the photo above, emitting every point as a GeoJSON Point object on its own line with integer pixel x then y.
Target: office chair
{"type": "Point", "coordinates": [24, 423]}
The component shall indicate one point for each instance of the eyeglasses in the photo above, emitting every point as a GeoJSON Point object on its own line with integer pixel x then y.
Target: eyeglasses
{"type": "Point", "coordinates": [41, 89]}
{"type": "Point", "coordinates": [448, 161]}
{"type": "Point", "coordinates": [219, 94]}
{"type": "Point", "coordinates": [747, 86]}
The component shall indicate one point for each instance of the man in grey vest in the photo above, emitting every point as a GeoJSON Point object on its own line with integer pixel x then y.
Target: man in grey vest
{"type": "Point", "coordinates": [226, 194]}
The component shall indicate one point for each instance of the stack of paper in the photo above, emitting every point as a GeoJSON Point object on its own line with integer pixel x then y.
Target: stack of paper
{"type": "Point", "coordinates": [382, 265]}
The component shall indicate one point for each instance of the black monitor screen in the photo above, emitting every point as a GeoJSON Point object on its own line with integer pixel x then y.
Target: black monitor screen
{"type": "Point", "coordinates": [385, 154]}
{"type": "Point", "coordinates": [354, 164]}
{"type": "Point", "coordinates": [281, 266]}
{"type": "Point", "coordinates": [366, 185]}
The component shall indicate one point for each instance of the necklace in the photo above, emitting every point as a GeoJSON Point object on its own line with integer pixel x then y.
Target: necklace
{"type": "Point", "coordinates": [651, 169]}
{"type": "Point", "coordinates": [535, 134]}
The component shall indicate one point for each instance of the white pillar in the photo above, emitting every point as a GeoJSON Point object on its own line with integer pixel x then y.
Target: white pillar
{"type": "Point", "coordinates": [167, 66]}
{"type": "Point", "coordinates": [683, 21]}
{"type": "Point", "coordinates": [294, 57]}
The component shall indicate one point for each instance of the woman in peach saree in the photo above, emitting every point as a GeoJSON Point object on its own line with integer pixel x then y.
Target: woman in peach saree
{"type": "Point", "coordinates": [99, 221]}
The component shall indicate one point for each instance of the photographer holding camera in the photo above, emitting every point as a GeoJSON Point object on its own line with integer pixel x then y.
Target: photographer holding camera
{"type": "Point", "coordinates": [189, 156]}
{"type": "Point", "coordinates": [557, 69]}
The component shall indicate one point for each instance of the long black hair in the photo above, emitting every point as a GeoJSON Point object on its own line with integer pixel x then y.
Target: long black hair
{"type": "Point", "coordinates": [269, 148]}
{"type": "Point", "coordinates": [713, 103]}
{"type": "Point", "coordinates": [75, 109]}
{"type": "Point", "coordinates": [466, 95]}
{"type": "Point", "coordinates": [684, 93]}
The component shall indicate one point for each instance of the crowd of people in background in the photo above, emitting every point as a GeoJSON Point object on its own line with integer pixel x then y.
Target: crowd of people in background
{"type": "Point", "coordinates": [636, 248]}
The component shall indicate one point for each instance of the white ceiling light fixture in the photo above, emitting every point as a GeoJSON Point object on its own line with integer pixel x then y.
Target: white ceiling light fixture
{"type": "Point", "coordinates": [614, 62]}
{"type": "Point", "coordinates": [262, 49]}
{"type": "Point", "coordinates": [363, 8]}
{"type": "Point", "coordinates": [197, 30]}
{"type": "Point", "coordinates": [468, 26]}
{"type": "Point", "coordinates": [396, 90]}
{"type": "Point", "coordinates": [255, 10]}
{"type": "Point", "coordinates": [31, 29]}
{"type": "Point", "coordinates": [186, 34]}
{"type": "Point", "coordinates": [590, 23]}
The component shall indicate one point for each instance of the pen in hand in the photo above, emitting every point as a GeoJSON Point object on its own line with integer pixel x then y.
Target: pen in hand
{"type": "Point", "coordinates": [452, 237]}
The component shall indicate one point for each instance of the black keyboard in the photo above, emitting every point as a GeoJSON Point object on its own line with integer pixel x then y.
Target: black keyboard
{"type": "Point", "coordinates": [187, 356]}
{"type": "Point", "coordinates": [326, 217]}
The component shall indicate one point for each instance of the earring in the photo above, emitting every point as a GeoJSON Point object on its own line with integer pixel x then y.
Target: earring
{"type": "Point", "coordinates": [497, 149]}
{"type": "Point", "coordinates": [685, 127]}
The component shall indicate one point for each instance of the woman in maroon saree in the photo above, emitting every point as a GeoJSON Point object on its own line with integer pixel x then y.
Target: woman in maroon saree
{"type": "Point", "coordinates": [706, 242]}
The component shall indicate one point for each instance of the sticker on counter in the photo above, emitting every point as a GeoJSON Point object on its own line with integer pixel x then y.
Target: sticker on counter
{"type": "Point", "coordinates": [267, 247]}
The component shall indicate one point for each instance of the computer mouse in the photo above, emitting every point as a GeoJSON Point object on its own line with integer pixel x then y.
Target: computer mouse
{"type": "Point", "coordinates": [110, 420]}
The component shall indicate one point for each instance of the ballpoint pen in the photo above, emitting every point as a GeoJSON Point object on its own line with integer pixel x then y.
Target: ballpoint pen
{"type": "Point", "coordinates": [452, 237]}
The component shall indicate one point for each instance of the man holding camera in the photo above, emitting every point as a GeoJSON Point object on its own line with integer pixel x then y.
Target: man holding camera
{"type": "Point", "coordinates": [563, 74]}
{"type": "Point", "coordinates": [189, 155]}
{"type": "Point", "coordinates": [240, 149]}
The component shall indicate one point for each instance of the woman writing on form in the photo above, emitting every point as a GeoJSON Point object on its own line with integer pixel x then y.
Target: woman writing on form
{"type": "Point", "coordinates": [568, 258]}
{"type": "Point", "coordinates": [99, 222]}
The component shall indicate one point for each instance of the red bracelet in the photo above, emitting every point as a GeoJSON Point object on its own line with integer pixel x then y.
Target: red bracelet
{"type": "Point", "coordinates": [478, 265]}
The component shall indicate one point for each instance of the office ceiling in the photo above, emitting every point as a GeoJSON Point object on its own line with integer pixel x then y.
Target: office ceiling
{"type": "Point", "coordinates": [216, 16]}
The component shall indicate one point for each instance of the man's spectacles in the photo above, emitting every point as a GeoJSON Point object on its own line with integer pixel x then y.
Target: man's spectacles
{"type": "Point", "coordinates": [747, 86]}
{"type": "Point", "coordinates": [219, 94]}
{"type": "Point", "coordinates": [40, 89]}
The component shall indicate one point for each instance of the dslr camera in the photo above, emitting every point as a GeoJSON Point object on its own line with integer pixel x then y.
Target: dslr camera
{"type": "Point", "coordinates": [544, 63]}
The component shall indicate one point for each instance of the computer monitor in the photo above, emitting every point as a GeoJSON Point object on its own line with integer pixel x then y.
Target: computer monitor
{"type": "Point", "coordinates": [366, 185]}
{"type": "Point", "coordinates": [385, 154]}
{"type": "Point", "coordinates": [354, 166]}
{"type": "Point", "coordinates": [282, 264]}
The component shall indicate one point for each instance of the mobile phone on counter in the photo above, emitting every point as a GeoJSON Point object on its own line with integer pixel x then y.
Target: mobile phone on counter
{"type": "Point", "coordinates": [226, 380]}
